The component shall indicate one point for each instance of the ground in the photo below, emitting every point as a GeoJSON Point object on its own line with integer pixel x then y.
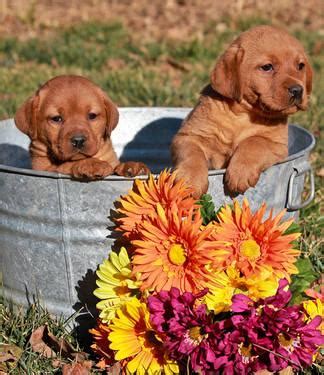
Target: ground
{"type": "Point", "coordinates": [144, 53]}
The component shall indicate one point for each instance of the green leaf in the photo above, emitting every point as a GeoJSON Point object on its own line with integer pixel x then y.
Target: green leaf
{"type": "Point", "coordinates": [207, 208]}
{"type": "Point", "coordinates": [294, 228]}
{"type": "Point", "coordinates": [303, 279]}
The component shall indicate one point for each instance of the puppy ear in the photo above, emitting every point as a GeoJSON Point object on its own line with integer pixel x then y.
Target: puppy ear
{"type": "Point", "coordinates": [112, 115]}
{"type": "Point", "coordinates": [26, 117]}
{"type": "Point", "coordinates": [309, 77]}
{"type": "Point", "coordinates": [226, 77]}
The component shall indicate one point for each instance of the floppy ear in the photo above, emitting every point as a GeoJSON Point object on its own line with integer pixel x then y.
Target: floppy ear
{"type": "Point", "coordinates": [309, 77]}
{"type": "Point", "coordinates": [112, 115]}
{"type": "Point", "coordinates": [226, 77]}
{"type": "Point", "coordinates": [26, 116]}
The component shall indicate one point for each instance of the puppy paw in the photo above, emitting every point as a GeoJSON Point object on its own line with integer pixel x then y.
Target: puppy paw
{"type": "Point", "coordinates": [238, 178]}
{"type": "Point", "coordinates": [198, 181]}
{"type": "Point", "coordinates": [131, 169]}
{"type": "Point", "coordinates": [91, 169]}
{"type": "Point", "coordinates": [199, 189]}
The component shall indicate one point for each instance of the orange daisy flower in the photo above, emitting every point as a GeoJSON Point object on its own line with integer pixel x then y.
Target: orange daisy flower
{"type": "Point", "coordinates": [174, 250]}
{"type": "Point", "coordinates": [101, 345]}
{"type": "Point", "coordinates": [141, 201]}
{"type": "Point", "coordinates": [254, 244]}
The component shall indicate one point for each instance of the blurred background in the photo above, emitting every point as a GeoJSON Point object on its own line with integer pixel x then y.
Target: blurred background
{"type": "Point", "coordinates": [142, 52]}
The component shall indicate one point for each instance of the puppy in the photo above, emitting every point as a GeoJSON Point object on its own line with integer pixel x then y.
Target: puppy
{"type": "Point", "coordinates": [240, 122]}
{"type": "Point", "coordinates": [69, 121]}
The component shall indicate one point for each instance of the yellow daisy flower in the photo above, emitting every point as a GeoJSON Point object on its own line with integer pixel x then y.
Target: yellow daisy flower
{"type": "Point", "coordinates": [116, 284]}
{"type": "Point", "coordinates": [314, 308]}
{"type": "Point", "coordinates": [229, 282]}
{"type": "Point", "coordinates": [133, 339]}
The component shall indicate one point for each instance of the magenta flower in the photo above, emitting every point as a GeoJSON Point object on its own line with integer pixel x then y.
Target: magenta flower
{"type": "Point", "coordinates": [264, 335]}
{"type": "Point", "coordinates": [235, 352]}
{"type": "Point", "coordinates": [277, 334]}
{"type": "Point", "coordinates": [187, 329]}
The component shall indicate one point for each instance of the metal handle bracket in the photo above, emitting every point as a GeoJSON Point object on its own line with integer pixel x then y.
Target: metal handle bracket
{"type": "Point", "coordinates": [296, 173]}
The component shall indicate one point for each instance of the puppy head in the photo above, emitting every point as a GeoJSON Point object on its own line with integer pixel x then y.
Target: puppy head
{"type": "Point", "coordinates": [70, 115]}
{"type": "Point", "coordinates": [267, 69]}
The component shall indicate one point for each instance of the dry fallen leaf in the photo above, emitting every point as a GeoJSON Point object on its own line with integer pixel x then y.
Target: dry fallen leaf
{"type": "Point", "coordinates": [60, 346]}
{"type": "Point", "coordinates": [44, 342]}
{"type": "Point", "coordinates": [320, 173]}
{"type": "Point", "coordinates": [75, 369]}
{"type": "Point", "coordinates": [38, 344]}
{"type": "Point", "coordinates": [115, 369]}
{"type": "Point", "coordinates": [9, 356]}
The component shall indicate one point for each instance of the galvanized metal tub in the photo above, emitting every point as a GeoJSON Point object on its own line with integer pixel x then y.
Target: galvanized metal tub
{"type": "Point", "coordinates": [55, 231]}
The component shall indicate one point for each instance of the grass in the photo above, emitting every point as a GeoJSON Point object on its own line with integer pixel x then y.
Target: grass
{"type": "Point", "coordinates": [167, 73]}
{"type": "Point", "coordinates": [16, 328]}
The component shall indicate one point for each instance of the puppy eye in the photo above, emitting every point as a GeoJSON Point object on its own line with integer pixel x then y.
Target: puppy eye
{"type": "Point", "coordinates": [267, 67]}
{"type": "Point", "coordinates": [301, 66]}
{"type": "Point", "coordinates": [57, 119]}
{"type": "Point", "coordinates": [92, 116]}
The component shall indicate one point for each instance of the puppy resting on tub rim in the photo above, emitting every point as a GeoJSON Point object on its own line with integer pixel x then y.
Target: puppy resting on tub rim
{"type": "Point", "coordinates": [69, 121]}
{"type": "Point", "coordinates": [240, 122]}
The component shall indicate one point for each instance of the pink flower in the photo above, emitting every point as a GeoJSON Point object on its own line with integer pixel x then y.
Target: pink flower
{"type": "Point", "coordinates": [186, 327]}
{"type": "Point", "coordinates": [277, 334]}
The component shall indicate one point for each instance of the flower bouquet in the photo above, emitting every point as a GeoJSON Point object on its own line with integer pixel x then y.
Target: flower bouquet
{"type": "Point", "coordinates": [194, 291]}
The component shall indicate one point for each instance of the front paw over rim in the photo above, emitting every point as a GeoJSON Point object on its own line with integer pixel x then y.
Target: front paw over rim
{"type": "Point", "coordinates": [239, 178]}
{"type": "Point", "coordinates": [91, 169]}
{"type": "Point", "coordinates": [131, 169]}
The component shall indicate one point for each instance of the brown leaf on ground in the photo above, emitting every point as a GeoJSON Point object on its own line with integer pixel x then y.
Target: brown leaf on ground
{"type": "Point", "coordinates": [76, 369]}
{"type": "Point", "coordinates": [320, 173]}
{"type": "Point", "coordinates": [60, 346]}
{"type": "Point", "coordinates": [38, 344]}
{"type": "Point", "coordinates": [115, 369]}
{"type": "Point", "coordinates": [44, 342]}
{"type": "Point", "coordinates": [57, 363]}
{"type": "Point", "coordinates": [9, 356]}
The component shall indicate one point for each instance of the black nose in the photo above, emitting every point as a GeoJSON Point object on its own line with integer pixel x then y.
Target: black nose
{"type": "Point", "coordinates": [78, 141]}
{"type": "Point", "coordinates": [296, 91]}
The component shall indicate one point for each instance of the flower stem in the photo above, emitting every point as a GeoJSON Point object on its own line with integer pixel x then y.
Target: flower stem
{"type": "Point", "coordinates": [278, 355]}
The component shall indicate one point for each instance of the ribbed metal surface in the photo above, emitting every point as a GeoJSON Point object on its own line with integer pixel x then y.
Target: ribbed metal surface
{"type": "Point", "coordinates": [54, 231]}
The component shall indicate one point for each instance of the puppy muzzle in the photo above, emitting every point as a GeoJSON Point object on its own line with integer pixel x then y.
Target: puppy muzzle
{"type": "Point", "coordinates": [295, 93]}
{"type": "Point", "coordinates": [78, 141]}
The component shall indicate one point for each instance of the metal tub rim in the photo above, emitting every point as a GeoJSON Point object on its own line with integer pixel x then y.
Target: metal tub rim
{"type": "Point", "coordinates": [185, 110]}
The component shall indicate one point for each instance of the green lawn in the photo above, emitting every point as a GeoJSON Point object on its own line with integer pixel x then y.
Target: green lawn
{"type": "Point", "coordinates": [136, 74]}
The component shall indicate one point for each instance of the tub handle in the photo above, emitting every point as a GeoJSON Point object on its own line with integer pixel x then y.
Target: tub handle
{"type": "Point", "coordinates": [299, 172]}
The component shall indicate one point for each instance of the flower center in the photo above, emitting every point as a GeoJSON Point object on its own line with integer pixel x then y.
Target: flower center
{"type": "Point", "coordinates": [240, 285]}
{"type": "Point", "coordinates": [245, 352]}
{"type": "Point", "coordinates": [194, 333]}
{"type": "Point", "coordinates": [250, 249]}
{"type": "Point", "coordinates": [151, 338]}
{"type": "Point", "coordinates": [195, 336]}
{"type": "Point", "coordinates": [286, 342]}
{"type": "Point", "coordinates": [177, 254]}
{"type": "Point", "coordinates": [122, 290]}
